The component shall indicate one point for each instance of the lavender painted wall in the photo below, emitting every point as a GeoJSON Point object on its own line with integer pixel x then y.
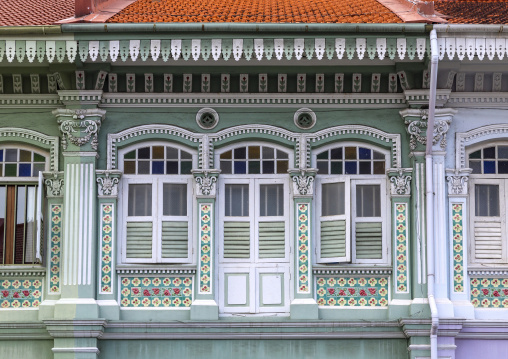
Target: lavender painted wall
{"type": "Point", "coordinates": [481, 349]}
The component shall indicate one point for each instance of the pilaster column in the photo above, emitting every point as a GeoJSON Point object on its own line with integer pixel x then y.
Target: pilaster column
{"type": "Point", "coordinates": [416, 121]}
{"type": "Point", "coordinates": [304, 305]}
{"type": "Point", "coordinates": [54, 185]}
{"type": "Point", "coordinates": [204, 306]}
{"type": "Point", "coordinates": [107, 190]}
{"type": "Point", "coordinates": [79, 130]}
{"type": "Point", "coordinates": [403, 276]}
{"type": "Point", "coordinates": [457, 218]}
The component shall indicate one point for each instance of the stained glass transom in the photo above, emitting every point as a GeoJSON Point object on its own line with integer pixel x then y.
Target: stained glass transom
{"type": "Point", "coordinates": [254, 160]}
{"type": "Point", "coordinates": [351, 160]}
{"type": "Point", "coordinates": [16, 162]}
{"type": "Point", "coordinates": [157, 160]}
{"type": "Point", "coordinates": [489, 160]}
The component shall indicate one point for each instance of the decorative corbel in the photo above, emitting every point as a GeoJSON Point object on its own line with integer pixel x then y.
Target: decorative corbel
{"type": "Point", "coordinates": [206, 182]}
{"type": "Point", "coordinates": [80, 127]}
{"type": "Point", "coordinates": [107, 182]}
{"type": "Point", "coordinates": [303, 181]}
{"type": "Point", "coordinates": [400, 181]}
{"type": "Point", "coordinates": [54, 183]}
{"type": "Point", "coordinates": [457, 181]}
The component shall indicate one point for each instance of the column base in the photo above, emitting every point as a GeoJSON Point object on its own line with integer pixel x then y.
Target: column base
{"type": "Point", "coordinates": [109, 309]}
{"type": "Point", "coordinates": [204, 310]}
{"type": "Point", "coordinates": [463, 309]}
{"type": "Point", "coordinates": [76, 308]}
{"type": "Point", "coordinates": [399, 308]}
{"type": "Point", "coordinates": [419, 308]}
{"type": "Point", "coordinates": [444, 308]}
{"type": "Point", "coordinates": [304, 309]}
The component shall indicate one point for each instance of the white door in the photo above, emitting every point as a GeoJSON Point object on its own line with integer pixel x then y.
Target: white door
{"type": "Point", "coordinates": [254, 245]}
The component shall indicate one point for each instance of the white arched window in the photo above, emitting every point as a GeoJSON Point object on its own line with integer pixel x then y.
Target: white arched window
{"type": "Point", "coordinates": [352, 210]}
{"type": "Point", "coordinates": [488, 191]}
{"type": "Point", "coordinates": [156, 203]}
{"type": "Point", "coordinates": [21, 203]}
{"type": "Point", "coordinates": [254, 228]}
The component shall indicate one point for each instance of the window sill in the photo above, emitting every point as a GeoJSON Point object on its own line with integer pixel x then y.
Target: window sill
{"type": "Point", "coordinates": [488, 270]}
{"type": "Point", "coordinates": [352, 269]}
{"type": "Point", "coordinates": [22, 270]}
{"type": "Point", "coordinates": [123, 269]}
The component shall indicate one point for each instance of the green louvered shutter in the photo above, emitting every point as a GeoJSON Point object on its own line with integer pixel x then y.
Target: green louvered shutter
{"type": "Point", "coordinates": [272, 240]}
{"type": "Point", "coordinates": [139, 240]}
{"type": "Point", "coordinates": [369, 240]}
{"type": "Point", "coordinates": [334, 212]}
{"type": "Point", "coordinates": [236, 239]}
{"type": "Point", "coordinates": [175, 240]}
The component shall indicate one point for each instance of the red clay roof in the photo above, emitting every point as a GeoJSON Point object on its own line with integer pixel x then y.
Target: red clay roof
{"type": "Point", "coordinates": [473, 12]}
{"type": "Point", "coordinates": [271, 11]}
{"type": "Point", "coordinates": [34, 12]}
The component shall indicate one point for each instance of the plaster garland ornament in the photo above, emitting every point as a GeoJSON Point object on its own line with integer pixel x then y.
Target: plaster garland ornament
{"type": "Point", "coordinates": [80, 123]}
{"type": "Point", "coordinates": [108, 184]}
{"type": "Point", "coordinates": [457, 180]}
{"type": "Point", "coordinates": [401, 183]}
{"type": "Point", "coordinates": [54, 185]}
{"type": "Point", "coordinates": [303, 181]}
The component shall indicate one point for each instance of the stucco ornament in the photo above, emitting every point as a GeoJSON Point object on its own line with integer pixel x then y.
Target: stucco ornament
{"type": "Point", "coordinates": [457, 181]}
{"type": "Point", "coordinates": [206, 185]}
{"type": "Point", "coordinates": [87, 122]}
{"type": "Point", "coordinates": [303, 181]}
{"type": "Point", "coordinates": [54, 185]}
{"type": "Point", "coordinates": [108, 186]}
{"type": "Point", "coordinates": [400, 183]}
{"type": "Point", "coordinates": [417, 130]}
{"type": "Point", "coordinates": [206, 182]}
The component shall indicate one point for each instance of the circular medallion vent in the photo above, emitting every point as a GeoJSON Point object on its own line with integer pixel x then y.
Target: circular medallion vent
{"type": "Point", "coordinates": [305, 118]}
{"type": "Point", "coordinates": [207, 118]}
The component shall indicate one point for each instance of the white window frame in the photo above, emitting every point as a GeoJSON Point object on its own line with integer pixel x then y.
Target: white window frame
{"type": "Point", "coordinates": [157, 182]}
{"type": "Point", "coordinates": [254, 182]}
{"type": "Point", "coordinates": [351, 182]}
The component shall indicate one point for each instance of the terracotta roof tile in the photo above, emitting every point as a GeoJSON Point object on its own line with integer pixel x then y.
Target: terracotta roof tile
{"type": "Point", "coordinates": [271, 11]}
{"type": "Point", "coordinates": [473, 12]}
{"type": "Point", "coordinates": [34, 12]}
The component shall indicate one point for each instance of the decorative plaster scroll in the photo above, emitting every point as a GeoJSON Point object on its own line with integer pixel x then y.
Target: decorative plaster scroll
{"type": "Point", "coordinates": [481, 134]}
{"type": "Point", "coordinates": [400, 181]}
{"type": "Point", "coordinates": [54, 183]}
{"type": "Point", "coordinates": [303, 181]}
{"type": "Point", "coordinates": [478, 81]}
{"type": "Point", "coordinates": [416, 131]}
{"type": "Point", "coordinates": [107, 182]}
{"type": "Point", "coordinates": [9, 134]}
{"type": "Point", "coordinates": [457, 181]}
{"type": "Point", "coordinates": [206, 182]}
{"type": "Point", "coordinates": [417, 128]}
{"type": "Point", "coordinates": [73, 121]}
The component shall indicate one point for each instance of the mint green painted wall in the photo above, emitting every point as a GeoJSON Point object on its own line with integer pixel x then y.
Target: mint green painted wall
{"type": "Point", "coordinates": [255, 349]}
{"type": "Point", "coordinates": [40, 349]}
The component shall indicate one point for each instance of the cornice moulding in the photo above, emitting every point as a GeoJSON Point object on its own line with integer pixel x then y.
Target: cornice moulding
{"type": "Point", "coordinates": [24, 100]}
{"type": "Point", "coordinates": [479, 99]}
{"type": "Point", "coordinates": [343, 100]}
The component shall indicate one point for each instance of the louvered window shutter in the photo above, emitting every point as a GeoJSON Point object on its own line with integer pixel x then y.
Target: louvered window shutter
{"type": "Point", "coordinates": [175, 240]}
{"type": "Point", "coordinates": [272, 239]}
{"type": "Point", "coordinates": [335, 222]}
{"type": "Point", "coordinates": [367, 220]}
{"type": "Point", "coordinates": [488, 222]}
{"type": "Point", "coordinates": [40, 232]}
{"type": "Point", "coordinates": [139, 240]}
{"type": "Point", "coordinates": [236, 239]}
